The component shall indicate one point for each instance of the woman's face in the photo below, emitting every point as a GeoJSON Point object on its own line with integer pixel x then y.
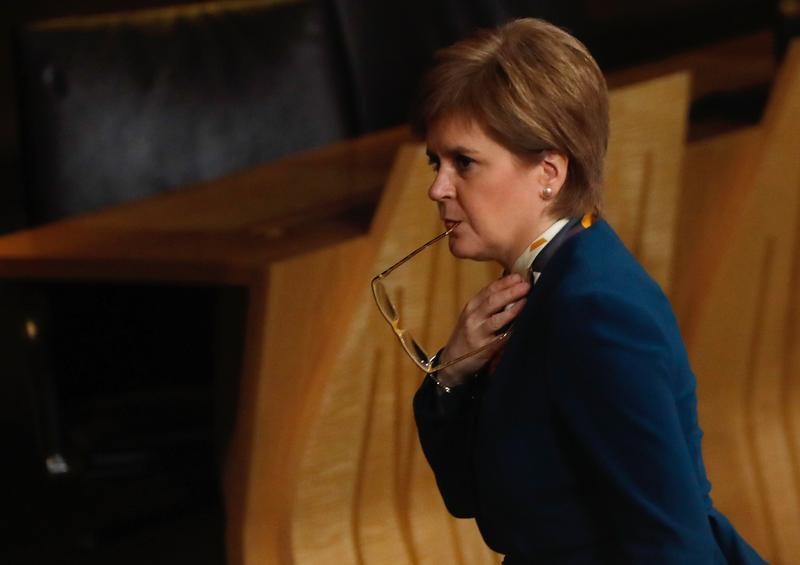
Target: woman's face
{"type": "Point", "coordinates": [495, 195]}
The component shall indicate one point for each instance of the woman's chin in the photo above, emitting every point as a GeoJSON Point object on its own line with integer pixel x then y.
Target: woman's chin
{"type": "Point", "coordinates": [462, 250]}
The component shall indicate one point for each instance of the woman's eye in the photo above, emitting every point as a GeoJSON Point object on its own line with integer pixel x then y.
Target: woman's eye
{"type": "Point", "coordinates": [434, 163]}
{"type": "Point", "coordinates": [463, 162]}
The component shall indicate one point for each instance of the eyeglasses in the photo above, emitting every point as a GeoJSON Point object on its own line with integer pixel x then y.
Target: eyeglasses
{"type": "Point", "coordinates": [390, 313]}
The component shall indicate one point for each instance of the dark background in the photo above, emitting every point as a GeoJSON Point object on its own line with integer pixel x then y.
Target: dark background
{"type": "Point", "coordinates": [14, 15]}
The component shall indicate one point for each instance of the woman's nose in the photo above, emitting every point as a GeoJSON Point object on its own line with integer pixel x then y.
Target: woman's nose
{"type": "Point", "coordinates": [440, 188]}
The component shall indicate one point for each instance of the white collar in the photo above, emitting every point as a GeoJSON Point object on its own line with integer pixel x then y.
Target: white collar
{"type": "Point", "coordinates": [524, 261]}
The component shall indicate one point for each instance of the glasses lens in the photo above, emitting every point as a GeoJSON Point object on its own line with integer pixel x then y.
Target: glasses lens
{"type": "Point", "coordinates": [428, 292]}
{"type": "Point", "coordinates": [413, 348]}
{"type": "Point", "coordinates": [385, 305]}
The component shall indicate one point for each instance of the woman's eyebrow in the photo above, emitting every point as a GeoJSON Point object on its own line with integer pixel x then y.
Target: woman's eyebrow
{"type": "Point", "coordinates": [457, 150]}
{"type": "Point", "coordinates": [461, 150]}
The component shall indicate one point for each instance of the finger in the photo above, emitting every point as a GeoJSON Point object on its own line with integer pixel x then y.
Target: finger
{"type": "Point", "coordinates": [499, 320]}
{"type": "Point", "coordinates": [494, 287]}
{"type": "Point", "coordinates": [504, 282]}
{"type": "Point", "coordinates": [501, 299]}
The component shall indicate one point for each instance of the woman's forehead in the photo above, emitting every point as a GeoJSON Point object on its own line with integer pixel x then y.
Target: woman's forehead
{"type": "Point", "coordinates": [457, 137]}
{"type": "Point", "coordinates": [449, 128]}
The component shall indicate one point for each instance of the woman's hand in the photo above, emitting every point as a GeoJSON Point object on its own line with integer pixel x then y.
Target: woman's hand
{"type": "Point", "coordinates": [484, 315]}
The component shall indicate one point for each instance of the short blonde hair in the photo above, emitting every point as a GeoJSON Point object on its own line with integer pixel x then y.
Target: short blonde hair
{"type": "Point", "coordinates": [531, 86]}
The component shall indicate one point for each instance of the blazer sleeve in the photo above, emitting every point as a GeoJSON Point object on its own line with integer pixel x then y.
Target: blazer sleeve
{"type": "Point", "coordinates": [445, 427]}
{"type": "Point", "coordinates": [612, 384]}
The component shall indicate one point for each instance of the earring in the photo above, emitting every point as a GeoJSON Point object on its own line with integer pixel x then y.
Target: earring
{"type": "Point", "coordinates": [547, 193]}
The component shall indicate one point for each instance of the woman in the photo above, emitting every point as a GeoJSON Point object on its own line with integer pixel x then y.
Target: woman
{"type": "Point", "coordinates": [575, 441]}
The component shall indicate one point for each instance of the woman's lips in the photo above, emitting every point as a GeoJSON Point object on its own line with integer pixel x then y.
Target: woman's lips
{"type": "Point", "coordinates": [450, 224]}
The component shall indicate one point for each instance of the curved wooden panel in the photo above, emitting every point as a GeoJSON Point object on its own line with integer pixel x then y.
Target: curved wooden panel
{"type": "Point", "coordinates": [742, 326]}
{"type": "Point", "coordinates": [278, 390]}
{"type": "Point", "coordinates": [643, 169]}
{"type": "Point", "coordinates": [363, 442]}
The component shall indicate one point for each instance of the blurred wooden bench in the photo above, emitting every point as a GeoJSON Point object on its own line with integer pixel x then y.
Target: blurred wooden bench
{"type": "Point", "coordinates": [737, 296]}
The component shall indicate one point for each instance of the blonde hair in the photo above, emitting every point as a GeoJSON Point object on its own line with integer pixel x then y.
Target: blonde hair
{"type": "Point", "coordinates": [531, 86]}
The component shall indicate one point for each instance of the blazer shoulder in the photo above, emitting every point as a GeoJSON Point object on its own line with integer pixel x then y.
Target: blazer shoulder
{"type": "Point", "coordinates": [596, 282]}
{"type": "Point", "coordinates": [596, 262]}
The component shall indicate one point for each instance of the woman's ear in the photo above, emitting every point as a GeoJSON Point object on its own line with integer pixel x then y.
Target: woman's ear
{"type": "Point", "coordinates": [552, 172]}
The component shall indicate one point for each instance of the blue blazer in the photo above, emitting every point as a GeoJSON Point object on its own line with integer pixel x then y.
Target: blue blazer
{"type": "Point", "coordinates": [583, 446]}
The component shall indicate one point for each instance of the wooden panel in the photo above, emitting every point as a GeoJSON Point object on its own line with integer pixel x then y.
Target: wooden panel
{"type": "Point", "coordinates": [711, 203]}
{"type": "Point", "coordinates": [643, 168]}
{"type": "Point", "coordinates": [737, 63]}
{"type": "Point", "coordinates": [742, 325]}
{"type": "Point", "coordinates": [363, 479]}
{"type": "Point", "coordinates": [290, 318]}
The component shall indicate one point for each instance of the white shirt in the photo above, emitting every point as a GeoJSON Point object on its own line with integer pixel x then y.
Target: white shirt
{"type": "Point", "coordinates": [523, 263]}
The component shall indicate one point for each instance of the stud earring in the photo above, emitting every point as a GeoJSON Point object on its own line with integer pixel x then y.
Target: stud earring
{"type": "Point", "coordinates": [547, 193]}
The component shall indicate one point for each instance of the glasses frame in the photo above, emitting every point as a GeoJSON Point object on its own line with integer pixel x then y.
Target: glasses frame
{"type": "Point", "coordinates": [412, 348]}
